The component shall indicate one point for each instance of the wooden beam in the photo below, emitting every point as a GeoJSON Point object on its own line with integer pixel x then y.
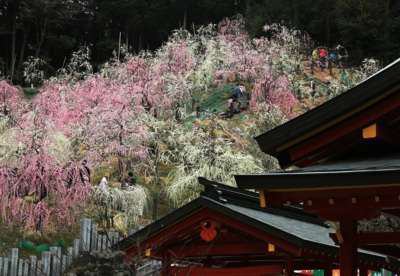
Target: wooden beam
{"type": "Point", "coordinates": [239, 271]}
{"type": "Point", "coordinates": [223, 249]}
{"type": "Point", "coordinates": [390, 250]}
{"type": "Point", "coordinates": [378, 238]}
{"type": "Point", "coordinates": [373, 196]}
{"type": "Point", "coordinates": [335, 149]}
{"type": "Point", "coordinates": [307, 147]}
{"type": "Point", "coordinates": [343, 118]}
{"type": "Point", "coordinates": [386, 134]}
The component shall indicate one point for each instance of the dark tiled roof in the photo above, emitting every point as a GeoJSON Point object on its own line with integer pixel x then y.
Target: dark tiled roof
{"type": "Point", "coordinates": [374, 171]}
{"type": "Point", "coordinates": [303, 230]}
{"type": "Point", "coordinates": [289, 223]}
{"type": "Point", "coordinates": [387, 162]}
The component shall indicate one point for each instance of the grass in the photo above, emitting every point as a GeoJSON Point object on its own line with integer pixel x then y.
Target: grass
{"type": "Point", "coordinates": [215, 100]}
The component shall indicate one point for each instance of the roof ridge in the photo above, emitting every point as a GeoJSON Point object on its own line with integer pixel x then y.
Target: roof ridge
{"type": "Point", "coordinates": [225, 194]}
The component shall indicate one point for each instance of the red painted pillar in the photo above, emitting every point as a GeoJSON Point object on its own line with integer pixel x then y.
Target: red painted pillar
{"type": "Point", "coordinates": [363, 271]}
{"type": "Point", "coordinates": [348, 248]}
{"type": "Point", "coordinates": [166, 266]}
{"type": "Point", "coordinates": [289, 267]}
{"type": "Point", "coordinates": [328, 270]}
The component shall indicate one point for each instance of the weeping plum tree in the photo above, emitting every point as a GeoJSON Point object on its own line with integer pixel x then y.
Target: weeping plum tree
{"type": "Point", "coordinates": [11, 102]}
{"type": "Point", "coordinates": [36, 193]}
{"type": "Point", "coordinates": [38, 190]}
{"type": "Point", "coordinates": [201, 152]}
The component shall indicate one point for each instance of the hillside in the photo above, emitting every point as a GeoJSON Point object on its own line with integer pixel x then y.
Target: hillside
{"type": "Point", "coordinates": [150, 124]}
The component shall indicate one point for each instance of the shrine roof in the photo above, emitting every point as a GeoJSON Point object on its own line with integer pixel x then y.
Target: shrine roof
{"type": "Point", "coordinates": [359, 98]}
{"type": "Point", "coordinates": [354, 173]}
{"type": "Point", "coordinates": [369, 163]}
{"type": "Point", "coordinates": [289, 223]}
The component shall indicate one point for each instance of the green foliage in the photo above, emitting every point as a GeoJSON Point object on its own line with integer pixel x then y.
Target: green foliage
{"type": "Point", "coordinates": [30, 92]}
{"type": "Point", "coordinates": [366, 27]}
{"type": "Point", "coordinates": [53, 29]}
{"type": "Point", "coordinates": [214, 101]}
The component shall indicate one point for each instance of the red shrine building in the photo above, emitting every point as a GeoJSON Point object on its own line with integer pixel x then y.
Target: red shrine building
{"type": "Point", "coordinates": [226, 232]}
{"type": "Point", "coordinates": [341, 162]}
{"type": "Point", "coordinates": [334, 204]}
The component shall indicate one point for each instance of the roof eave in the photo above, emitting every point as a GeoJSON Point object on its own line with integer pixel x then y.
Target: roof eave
{"type": "Point", "coordinates": [288, 180]}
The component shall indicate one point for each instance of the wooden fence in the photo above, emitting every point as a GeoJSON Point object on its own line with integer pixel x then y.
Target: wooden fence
{"type": "Point", "coordinates": [57, 260]}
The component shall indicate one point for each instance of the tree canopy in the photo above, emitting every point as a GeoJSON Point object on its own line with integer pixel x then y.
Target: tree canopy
{"type": "Point", "coordinates": [53, 29]}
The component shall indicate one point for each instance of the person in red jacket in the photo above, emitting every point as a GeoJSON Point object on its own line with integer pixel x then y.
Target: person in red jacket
{"type": "Point", "coordinates": [323, 55]}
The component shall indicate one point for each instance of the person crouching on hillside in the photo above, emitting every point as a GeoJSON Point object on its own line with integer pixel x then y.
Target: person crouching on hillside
{"type": "Point", "coordinates": [234, 104]}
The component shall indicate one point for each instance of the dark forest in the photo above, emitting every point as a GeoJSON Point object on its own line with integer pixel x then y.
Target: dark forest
{"type": "Point", "coordinates": [53, 29]}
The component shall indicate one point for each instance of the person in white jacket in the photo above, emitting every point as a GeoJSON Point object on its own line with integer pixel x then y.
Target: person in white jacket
{"type": "Point", "coordinates": [103, 185]}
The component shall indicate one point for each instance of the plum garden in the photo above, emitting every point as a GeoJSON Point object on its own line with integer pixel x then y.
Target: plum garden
{"type": "Point", "coordinates": [136, 115]}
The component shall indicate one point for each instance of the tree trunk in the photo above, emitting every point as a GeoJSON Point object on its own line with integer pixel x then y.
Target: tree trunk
{"type": "Point", "coordinates": [22, 51]}
{"type": "Point", "coordinates": [140, 46]}
{"type": "Point", "coordinates": [295, 13]}
{"type": "Point", "coordinates": [328, 8]}
{"type": "Point", "coordinates": [13, 39]}
{"type": "Point", "coordinates": [42, 36]}
{"type": "Point", "coordinates": [184, 25]}
{"type": "Point", "coordinates": [127, 36]}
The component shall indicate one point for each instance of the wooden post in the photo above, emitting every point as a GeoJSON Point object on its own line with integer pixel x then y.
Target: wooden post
{"type": "Point", "coordinates": [20, 267]}
{"type": "Point", "coordinates": [14, 262]}
{"type": "Point", "coordinates": [112, 237]}
{"type": "Point", "coordinates": [26, 269]}
{"type": "Point", "coordinates": [64, 264]}
{"type": "Point", "coordinates": [39, 267]}
{"type": "Point", "coordinates": [70, 256]}
{"type": "Point", "coordinates": [93, 243]}
{"type": "Point", "coordinates": [5, 267]}
{"type": "Point", "coordinates": [85, 234]}
{"type": "Point", "coordinates": [76, 247]}
{"type": "Point", "coordinates": [348, 249]}
{"type": "Point", "coordinates": [104, 242]}
{"type": "Point", "coordinates": [57, 261]}
{"type": "Point", "coordinates": [53, 265]}
{"type": "Point", "coordinates": [109, 240]}
{"type": "Point", "coordinates": [99, 240]}
{"type": "Point", "coordinates": [33, 269]}
{"type": "Point", "coordinates": [46, 259]}
{"type": "Point", "coordinates": [88, 234]}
